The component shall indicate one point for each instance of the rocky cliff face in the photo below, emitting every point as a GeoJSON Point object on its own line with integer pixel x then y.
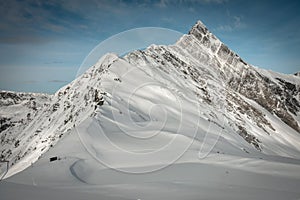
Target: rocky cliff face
{"type": "Point", "coordinates": [274, 93]}
{"type": "Point", "coordinates": [278, 96]}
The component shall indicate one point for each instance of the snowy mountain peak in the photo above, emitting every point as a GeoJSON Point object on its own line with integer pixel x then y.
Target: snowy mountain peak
{"type": "Point", "coordinates": [107, 59]}
{"type": "Point", "coordinates": [200, 27]}
{"type": "Point", "coordinates": [205, 37]}
{"type": "Point", "coordinates": [197, 79]}
{"type": "Point", "coordinates": [210, 43]}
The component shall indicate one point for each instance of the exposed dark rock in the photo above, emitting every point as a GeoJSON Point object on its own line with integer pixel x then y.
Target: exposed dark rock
{"type": "Point", "coordinates": [240, 106]}
{"type": "Point", "coordinates": [196, 33]}
{"type": "Point", "coordinates": [251, 139]}
{"type": "Point", "coordinates": [270, 95]}
{"type": "Point", "coordinates": [223, 52]}
{"type": "Point", "coordinates": [205, 41]}
{"type": "Point", "coordinates": [297, 74]}
{"type": "Point", "coordinates": [201, 27]}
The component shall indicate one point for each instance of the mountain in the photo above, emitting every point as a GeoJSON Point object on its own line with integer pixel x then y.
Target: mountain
{"type": "Point", "coordinates": [46, 118]}
{"type": "Point", "coordinates": [17, 112]}
{"type": "Point", "coordinates": [194, 106]}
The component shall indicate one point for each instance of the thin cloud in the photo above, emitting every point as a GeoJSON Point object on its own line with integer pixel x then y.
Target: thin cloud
{"type": "Point", "coordinates": [210, 1]}
{"type": "Point", "coordinates": [236, 23]}
{"type": "Point", "coordinates": [226, 28]}
{"type": "Point", "coordinates": [54, 62]}
{"type": "Point", "coordinates": [33, 16]}
{"type": "Point", "coordinates": [23, 39]}
{"type": "Point", "coordinates": [165, 3]}
{"type": "Point", "coordinates": [57, 81]}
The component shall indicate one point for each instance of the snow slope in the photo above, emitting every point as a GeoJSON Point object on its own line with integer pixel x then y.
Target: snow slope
{"type": "Point", "coordinates": [186, 121]}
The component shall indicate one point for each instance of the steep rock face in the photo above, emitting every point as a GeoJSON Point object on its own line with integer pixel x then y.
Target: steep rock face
{"type": "Point", "coordinates": [279, 97]}
{"type": "Point", "coordinates": [211, 43]}
{"type": "Point", "coordinates": [274, 94]}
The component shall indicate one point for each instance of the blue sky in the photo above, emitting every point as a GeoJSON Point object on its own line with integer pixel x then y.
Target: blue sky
{"type": "Point", "coordinates": [43, 43]}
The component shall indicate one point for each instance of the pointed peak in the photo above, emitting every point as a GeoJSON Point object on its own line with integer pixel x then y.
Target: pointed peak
{"type": "Point", "coordinates": [102, 64]}
{"type": "Point", "coordinates": [200, 24]}
{"type": "Point", "coordinates": [199, 27]}
{"type": "Point", "coordinates": [108, 57]}
{"type": "Point", "coordinates": [297, 74]}
{"type": "Point", "coordinates": [201, 32]}
{"type": "Point", "coordinates": [106, 60]}
{"type": "Point", "coordinates": [200, 37]}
